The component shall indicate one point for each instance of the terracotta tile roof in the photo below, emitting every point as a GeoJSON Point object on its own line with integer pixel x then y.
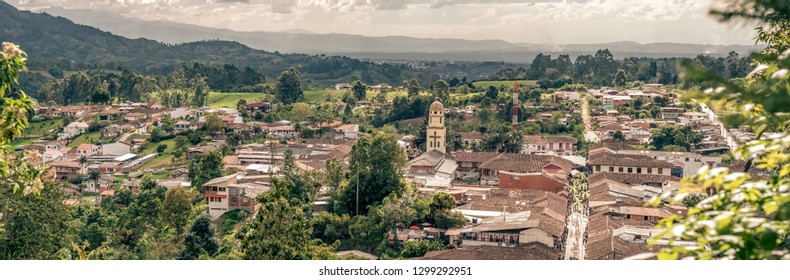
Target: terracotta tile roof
{"type": "Point", "coordinates": [607, 158]}
{"type": "Point", "coordinates": [631, 179]}
{"type": "Point", "coordinates": [431, 158]}
{"type": "Point", "coordinates": [472, 135]}
{"type": "Point", "coordinates": [548, 208]}
{"type": "Point", "coordinates": [477, 157]}
{"type": "Point", "coordinates": [601, 244]}
{"type": "Point", "coordinates": [532, 251]}
{"type": "Point", "coordinates": [524, 163]}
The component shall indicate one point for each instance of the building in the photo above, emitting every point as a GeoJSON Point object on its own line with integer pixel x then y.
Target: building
{"type": "Point", "coordinates": [74, 129]}
{"type": "Point", "coordinates": [671, 113]}
{"type": "Point", "coordinates": [436, 131]}
{"type": "Point", "coordinates": [65, 168]}
{"type": "Point", "coordinates": [487, 166]}
{"type": "Point", "coordinates": [88, 150]}
{"type": "Point", "coordinates": [558, 145]}
{"type": "Point", "coordinates": [347, 131]}
{"type": "Point", "coordinates": [531, 181]}
{"type": "Point", "coordinates": [471, 139]}
{"type": "Point", "coordinates": [432, 169]}
{"type": "Point", "coordinates": [51, 155]}
{"type": "Point", "coordinates": [187, 126]}
{"type": "Point", "coordinates": [227, 193]}
{"type": "Point", "coordinates": [116, 149]}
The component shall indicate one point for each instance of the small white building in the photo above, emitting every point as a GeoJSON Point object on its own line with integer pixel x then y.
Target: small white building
{"type": "Point", "coordinates": [73, 130]}
{"type": "Point", "coordinates": [116, 149]}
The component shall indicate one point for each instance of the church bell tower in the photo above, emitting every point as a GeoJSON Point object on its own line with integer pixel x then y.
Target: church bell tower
{"type": "Point", "coordinates": [436, 138]}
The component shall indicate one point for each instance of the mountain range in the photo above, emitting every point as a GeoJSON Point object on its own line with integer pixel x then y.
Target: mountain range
{"type": "Point", "coordinates": [56, 42]}
{"type": "Point", "coordinates": [379, 48]}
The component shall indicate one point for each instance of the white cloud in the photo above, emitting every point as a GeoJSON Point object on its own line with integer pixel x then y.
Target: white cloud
{"type": "Point", "coordinates": [540, 21]}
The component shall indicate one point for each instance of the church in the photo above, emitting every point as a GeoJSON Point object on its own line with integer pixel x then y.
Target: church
{"type": "Point", "coordinates": [435, 168]}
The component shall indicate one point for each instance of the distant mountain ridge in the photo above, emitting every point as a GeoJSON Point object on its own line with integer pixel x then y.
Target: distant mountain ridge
{"type": "Point", "coordinates": [388, 47]}
{"type": "Point", "coordinates": [56, 42]}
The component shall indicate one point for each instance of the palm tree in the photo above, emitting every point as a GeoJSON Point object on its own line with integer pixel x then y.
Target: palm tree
{"type": "Point", "coordinates": [94, 175]}
{"type": "Point", "coordinates": [83, 161]}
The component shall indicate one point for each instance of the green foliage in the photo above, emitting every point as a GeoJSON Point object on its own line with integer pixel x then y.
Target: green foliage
{"type": "Point", "coordinates": [289, 86]}
{"type": "Point", "coordinates": [33, 226]}
{"type": "Point", "coordinates": [205, 167]}
{"type": "Point", "coordinates": [502, 139]}
{"type": "Point", "coordinates": [177, 207]}
{"type": "Point", "coordinates": [201, 240]}
{"type": "Point", "coordinates": [413, 249]}
{"type": "Point", "coordinates": [747, 217]}
{"type": "Point", "coordinates": [359, 89]}
{"type": "Point", "coordinates": [375, 171]}
{"type": "Point", "coordinates": [682, 136]}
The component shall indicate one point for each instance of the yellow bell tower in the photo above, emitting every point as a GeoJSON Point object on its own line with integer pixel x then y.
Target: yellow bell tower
{"type": "Point", "coordinates": [436, 138]}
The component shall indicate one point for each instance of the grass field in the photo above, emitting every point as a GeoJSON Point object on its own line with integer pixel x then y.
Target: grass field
{"type": "Point", "coordinates": [229, 99]}
{"type": "Point", "coordinates": [85, 138]}
{"type": "Point", "coordinates": [40, 128]}
{"type": "Point", "coordinates": [507, 84]}
{"type": "Point", "coordinates": [22, 141]}
{"type": "Point", "coordinates": [161, 160]}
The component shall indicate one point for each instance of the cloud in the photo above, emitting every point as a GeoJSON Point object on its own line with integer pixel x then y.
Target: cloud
{"type": "Point", "coordinates": [560, 21]}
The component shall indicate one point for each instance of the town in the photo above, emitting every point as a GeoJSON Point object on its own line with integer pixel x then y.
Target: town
{"type": "Point", "coordinates": [114, 148]}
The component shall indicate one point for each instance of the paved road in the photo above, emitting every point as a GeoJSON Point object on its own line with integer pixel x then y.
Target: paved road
{"type": "Point", "coordinates": [589, 134]}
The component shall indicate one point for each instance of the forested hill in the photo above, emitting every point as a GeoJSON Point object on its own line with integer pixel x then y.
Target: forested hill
{"type": "Point", "coordinates": [56, 42]}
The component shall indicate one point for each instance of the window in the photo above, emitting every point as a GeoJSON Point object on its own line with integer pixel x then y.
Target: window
{"type": "Point", "coordinates": [639, 170]}
{"type": "Point", "coordinates": [630, 170]}
{"type": "Point", "coordinates": [222, 189]}
{"type": "Point", "coordinates": [687, 159]}
{"type": "Point", "coordinates": [661, 171]}
{"type": "Point", "coordinates": [611, 168]}
{"type": "Point", "coordinates": [598, 168]}
{"type": "Point", "coordinates": [620, 169]}
{"type": "Point", "coordinates": [644, 218]}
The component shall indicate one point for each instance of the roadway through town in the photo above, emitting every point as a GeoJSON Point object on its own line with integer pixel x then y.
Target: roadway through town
{"type": "Point", "coordinates": [589, 134]}
{"type": "Point", "coordinates": [577, 222]}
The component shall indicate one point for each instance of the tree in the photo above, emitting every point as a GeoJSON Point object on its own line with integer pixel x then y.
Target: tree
{"type": "Point", "coordinates": [618, 136]}
{"type": "Point", "coordinates": [441, 91]}
{"type": "Point", "coordinates": [161, 148]}
{"type": "Point", "coordinates": [375, 171]}
{"type": "Point", "coordinates": [683, 136]}
{"type": "Point", "coordinates": [205, 167]}
{"type": "Point", "coordinates": [177, 207]}
{"type": "Point", "coordinates": [288, 88]}
{"type": "Point", "coordinates": [200, 91]}
{"type": "Point", "coordinates": [201, 240]}
{"type": "Point", "coordinates": [621, 78]}
{"type": "Point", "coordinates": [413, 87]}
{"type": "Point", "coordinates": [240, 104]}
{"type": "Point", "coordinates": [492, 92]}
{"type": "Point", "coordinates": [213, 123]}
{"type": "Point", "coordinates": [94, 176]}
{"type": "Point", "coordinates": [359, 89]}
{"type": "Point", "coordinates": [281, 230]}
{"type": "Point", "coordinates": [746, 217]}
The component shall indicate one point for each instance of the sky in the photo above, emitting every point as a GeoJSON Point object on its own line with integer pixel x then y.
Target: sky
{"type": "Point", "coordinates": [518, 21]}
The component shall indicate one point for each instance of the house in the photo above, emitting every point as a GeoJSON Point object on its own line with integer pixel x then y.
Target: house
{"type": "Point", "coordinates": [486, 166]}
{"type": "Point", "coordinates": [88, 150]}
{"type": "Point", "coordinates": [181, 113]}
{"type": "Point", "coordinates": [111, 131]}
{"type": "Point", "coordinates": [200, 150]}
{"type": "Point", "coordinates": [532, 251]}
{"type": "Point", "coordinates": [471, 139]}
{"type": "Point", "coordinates": [65, 168]}
{"type": "Point", "coordinates": [226, 194]}
{"type": "Point", "coordinates": [530, 181]}
{"type": "Point", "coordinates": [110, 114]}
{"type": "Point", "coordinates": [631, 164]}
{"type": "Point", "coordinates": [73, 129]}
{"type": "Point", "coordinates": [262, 107]}
{"type": "Point", "coordinates": [116, 149]}
{"type": "Point", "coordinates": [671, 113]}
{"type": "Point", "coordinates": [540, 144]}
{"type": "Point", "coordinates": [283, 131]}
{"type": "Point", "coordinates": [135, 116]}
{"type": "Point", "coordinates": [512, 217]}
{"type": "Point", "coordinates": [51, 155]}
{"type": "Point", "coordinates": [182, 126]}
{"type": "Point", "coordinates": [432, 169]}
{"type": "Point", "coordinates": [683, 163]}
{"type": "Point", "coordinates": [347, 131]}
{"type": "Point", "coordinates": [342, 86]}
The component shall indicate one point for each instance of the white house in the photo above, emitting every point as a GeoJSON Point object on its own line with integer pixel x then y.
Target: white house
{"type": "Point", "coordinates": [116, 149]}
{"type": "Point", "coordinates": [51, 155]}
{"type": "Point", "coordinates": [347, 131]}
{"type": "Point", "coordinates": [73, 129]}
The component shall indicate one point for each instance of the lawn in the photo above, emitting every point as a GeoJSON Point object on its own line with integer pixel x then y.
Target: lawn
{"type": "Point", "coordinates": [85, 138]}
{"type": "Point", "coordinates": [229, 99]}
{"type": "Point", "coordinates": [321, 95]}
{"type": "Point", "coordinates": [39, 128]}
{"type": "Point", "coordinates": [507, 84]}
{"type": "Point", "coordinates": [162, 160]}
{"type": "Point", "coordinates": [22, 141]}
